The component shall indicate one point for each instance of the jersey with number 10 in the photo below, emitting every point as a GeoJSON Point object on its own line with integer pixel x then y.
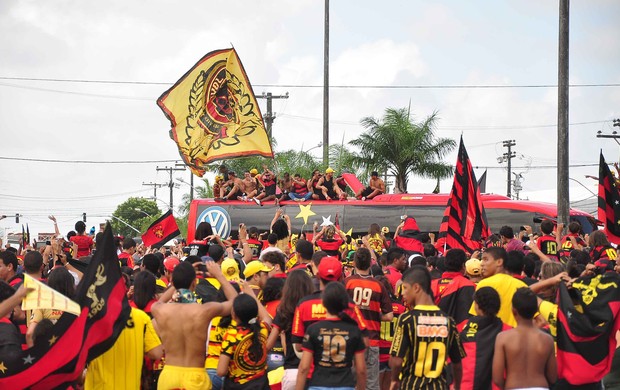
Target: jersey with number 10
{"type": "Point", "coordinates": [425, 337]}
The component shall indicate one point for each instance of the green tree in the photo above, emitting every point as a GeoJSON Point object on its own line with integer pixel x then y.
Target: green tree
{"type": "Point", "coordinates": [137, 212]}
{"type": "Point", "coordinates": [400, 146]}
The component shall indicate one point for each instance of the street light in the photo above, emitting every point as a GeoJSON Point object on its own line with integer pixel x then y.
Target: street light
{"type": "Point", "coordinates": [126, 224]}
{"type": "Point", "coordinates": [314, 147]}
{"type": "Point", "coordinates": [143, 212]}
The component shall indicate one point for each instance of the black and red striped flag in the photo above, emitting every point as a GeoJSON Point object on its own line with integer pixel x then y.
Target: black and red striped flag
{"type": "Point", "coordinates": [60, 355]}
{"type": "Point", "coordinates": [608, 201]}
{"type": "Point", "coordinates": [588, 319]}
{"type": "Point", "coordinates": [464, 222]}
{"type": "Point", "coordinates": [161, 231]}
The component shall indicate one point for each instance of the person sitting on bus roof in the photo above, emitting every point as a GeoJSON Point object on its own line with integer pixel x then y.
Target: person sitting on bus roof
{"type": "Point", "coordinates": [376, 186]}
{"type": "Point", "coordinates": [313, 185]}
{"type": "Point", "coordinates": [329, 189]}
{"type": "Point", "coordinates": [251, 187]}
{"type": "Point", "coordinates": [237, 188]}
{"type": "Point", "coordinates": [299, 189]}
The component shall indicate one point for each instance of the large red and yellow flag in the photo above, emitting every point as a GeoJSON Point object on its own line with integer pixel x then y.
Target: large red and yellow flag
{"type": "Point", "coordinates": [214, 113]}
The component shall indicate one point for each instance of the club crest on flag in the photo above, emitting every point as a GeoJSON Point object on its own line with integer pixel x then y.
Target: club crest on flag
{"type": "Point", "coordinates": [214, 113]}
{"type": "Point", "coordinates": [158, 231]}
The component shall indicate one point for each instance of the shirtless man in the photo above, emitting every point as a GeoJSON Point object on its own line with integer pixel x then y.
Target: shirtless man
{"type": "Point", "coordinates": [251, 186]}
{"type": "Point", "coordinates": [183, 330]}
{"type": "Point", "coordinates": [525, 354]}
{"type": "Point", "coordinates": [376, 186]}
{"type": "Point", "coordinates": [237, 188]}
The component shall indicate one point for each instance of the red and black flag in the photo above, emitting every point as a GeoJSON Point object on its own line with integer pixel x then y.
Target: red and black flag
{"type": "Point", "coordinates": [482, 182]}
{"type": "Point", "coordinates": [25, 236]}
{"type": "Point", "coordinates": [588, 318]}
{"type": "Point", "coordinates": [161, 231]}
{"type": "Point", "coordinates": [464, 222]}
{"type": "Point", "coordinates": [60, 355]}
{"type": "Point", "coordinates": [608, 201]}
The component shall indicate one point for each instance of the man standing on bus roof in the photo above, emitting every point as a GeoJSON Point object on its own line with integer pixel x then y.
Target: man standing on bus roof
{"type": "Point", "coordinates": [376, 186]}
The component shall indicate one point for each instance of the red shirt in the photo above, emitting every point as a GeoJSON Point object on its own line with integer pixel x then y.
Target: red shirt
{"type": "Point", "coordinates": [84, 244]}
{"type": "Point", "coordinates": [128, 259]}
{"type": "Point", "coordinates": [393, 275]}
{"type": "Point", "coordinates": [372, 299]}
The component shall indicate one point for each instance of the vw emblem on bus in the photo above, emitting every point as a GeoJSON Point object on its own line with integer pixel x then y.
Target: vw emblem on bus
{"type": "Point", "coordinates": [218, 218]}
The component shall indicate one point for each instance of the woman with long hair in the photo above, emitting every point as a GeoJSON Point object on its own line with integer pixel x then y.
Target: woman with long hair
{"type": "Point", "coordinates": [333, 345]}
{"type": "Point", "coordinates": [62, 281]}
{"type": "Point", "coordinates": [376, 239]}
{"type": "Point", "coordinates": [298, 285]}
{"type": "Point", "coordinates": [244, 356]}
{"type": "Point", "coordinates": [144, 291]}
{"type": "Point", "coordinates": [281, 227]}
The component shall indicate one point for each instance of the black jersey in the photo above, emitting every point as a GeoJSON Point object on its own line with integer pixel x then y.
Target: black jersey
{"type": "Point", "coordinates": [333, 343]}
{"type": "Point", "coordinates": [425, 337]}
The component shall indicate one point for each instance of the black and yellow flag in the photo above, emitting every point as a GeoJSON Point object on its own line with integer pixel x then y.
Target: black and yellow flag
{"type": "Point", "coordinates": [214, 113]}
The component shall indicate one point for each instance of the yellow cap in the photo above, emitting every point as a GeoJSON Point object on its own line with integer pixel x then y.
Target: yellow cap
{"type": "Point", "coordinates": [254, 171]}
{"type": "Point", "coordinates": [255, 267]}
{"type": "Point", "coordinates": [230, 269]}
{"type": "Point", "coordinates": [472, 267]}
{"type": "Point", "coordinates": [329, 170]}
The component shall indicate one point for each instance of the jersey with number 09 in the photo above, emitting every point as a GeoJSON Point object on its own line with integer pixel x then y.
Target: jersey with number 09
{"type": "Point", "coordinates": [425, 337]}
{"type": "Point", "coordinates": [373, 300]}
{"type": "Point", "coordinates": [333, 344]}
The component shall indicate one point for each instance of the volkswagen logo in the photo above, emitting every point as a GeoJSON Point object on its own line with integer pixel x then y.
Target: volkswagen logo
{"type": "Point", "coordinates": [218, 218]}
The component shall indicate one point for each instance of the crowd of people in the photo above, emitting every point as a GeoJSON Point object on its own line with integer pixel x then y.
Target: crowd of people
{"type": "Point", "coordinates": [266, 186]}
{"type": "Point", "coordinates": [322, 311]}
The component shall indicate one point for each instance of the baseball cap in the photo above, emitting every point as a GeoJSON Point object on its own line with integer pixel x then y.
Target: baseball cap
{"type": "Point", "coordinates": [254, 171]}
{"type": "Point", "coordinates": [255, 267]}
{"type": "Point", "coordinates": [330, 268]}
{"type": "Point", "coordinates": [472, 267]}
{"type": "Point", "coordinates": [329, 170]}
{"type": "Point", "coordinates": [170, 263]}
{"type": "Point", "coordinates": [230, 269]}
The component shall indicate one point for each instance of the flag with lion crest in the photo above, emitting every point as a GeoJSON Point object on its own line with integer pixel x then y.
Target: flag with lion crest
{"type": "Point", "coordinates": [214, 113]}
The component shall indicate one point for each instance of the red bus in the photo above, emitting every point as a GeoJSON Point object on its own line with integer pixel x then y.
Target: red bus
{"type": "Point", "coordinates": [385, 210]}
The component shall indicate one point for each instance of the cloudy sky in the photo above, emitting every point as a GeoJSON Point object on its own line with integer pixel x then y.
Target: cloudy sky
{"type": "Point", "coordinates": [148, 45]}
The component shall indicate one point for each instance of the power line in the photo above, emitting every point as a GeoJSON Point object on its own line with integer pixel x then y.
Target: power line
{"type": "Point", "coordinates": [464, 86]}
{"type": "Point", "coordinates": [87, 161]}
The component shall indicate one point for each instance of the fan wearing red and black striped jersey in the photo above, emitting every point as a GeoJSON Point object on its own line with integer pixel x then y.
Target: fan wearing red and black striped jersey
{"type": "Point", "coordinates": [424, 340]}
{"type": "Point", "coordinates": [373, 300]}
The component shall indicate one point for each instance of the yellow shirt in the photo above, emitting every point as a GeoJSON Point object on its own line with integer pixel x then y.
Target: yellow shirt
{"type": "Point", "coordinates": [121, 366]}
{"type": "Point", "coordinates": [549, 311]}
{"type": "Point", "coordinates": [505, 285]}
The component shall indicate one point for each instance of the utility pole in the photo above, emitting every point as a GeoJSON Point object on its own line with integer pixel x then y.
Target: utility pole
{"type": "Point", "coordinates": [155, 187]}
{"type": "Point", "coordinates": [326, 88]}
{"type": "Point", "coordinates": [270, 116]}
{"type": "Point", "coordinates": [170, 183]}
{"type": "Point", "coordinates": [563, 51]}
{"type": "Point", "coordinates": [508, 156]}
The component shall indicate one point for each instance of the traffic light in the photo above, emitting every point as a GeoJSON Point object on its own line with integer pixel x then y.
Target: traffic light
{"type": "Point", "coordinates": [84, 217]}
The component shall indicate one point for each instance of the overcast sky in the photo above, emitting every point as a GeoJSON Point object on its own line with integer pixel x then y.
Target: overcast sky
{"type": "Point", "coordinates": [388, 43]}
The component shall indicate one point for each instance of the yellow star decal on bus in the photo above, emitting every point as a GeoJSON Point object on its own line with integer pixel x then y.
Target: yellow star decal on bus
{"type": "Point", "coordinates": [305, 212]}
{"type": "Point", "coordinates": [52, 340]}
{"type": "Point", "coordinates": [2, 367]}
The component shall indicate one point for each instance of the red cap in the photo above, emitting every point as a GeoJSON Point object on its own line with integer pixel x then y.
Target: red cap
{"type": "Point", "coordinates": [170, 263]}
{"type": "Point", "coordinates": [330, 268]}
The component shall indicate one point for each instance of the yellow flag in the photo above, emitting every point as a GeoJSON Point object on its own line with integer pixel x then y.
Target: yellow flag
{"type": "Point", "coordinates": [45, 297]}
{"type": "Point", "coordinates": [214, 113]}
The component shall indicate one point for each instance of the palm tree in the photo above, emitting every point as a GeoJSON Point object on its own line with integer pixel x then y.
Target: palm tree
{"type": "Point", "coordinates": [200, 192]}
{"type": "Point", "coordinates": [400, 146]}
